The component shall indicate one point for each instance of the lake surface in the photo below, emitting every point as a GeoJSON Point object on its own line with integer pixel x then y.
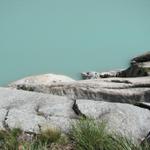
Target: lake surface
{"type": "Point", "coordinates": [70, 36]}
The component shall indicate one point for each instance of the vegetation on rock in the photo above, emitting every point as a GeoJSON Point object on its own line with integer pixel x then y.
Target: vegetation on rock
{"type": "Point", "coordinates": [85, 134]}
{"type": "Point", "coordinates": [88, 134]}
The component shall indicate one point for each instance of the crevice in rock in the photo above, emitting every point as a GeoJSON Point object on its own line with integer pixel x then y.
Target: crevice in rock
{"type": "Point", "coordinates": [121, 81]}
{"type": "Point", "coordinates": [77, 110]}
{"type": "Point", "coordinates": [4, 123]}
{"type": "Point", "coordinates": [25, 88]}
{"type": "Point", "coordinates": [40, 113]}
{"type": "Point", "coordinates": [130, 86]}
{"type": "Point", "coordinates": [141, 86]}
{"type": "Point", "coordinates": [146, 139]}
{"type": "Point", "coordinates": [142, 105]}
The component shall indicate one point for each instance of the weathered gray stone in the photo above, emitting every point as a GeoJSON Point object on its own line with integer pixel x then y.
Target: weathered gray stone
{"type": "Point", "coordinates": [126, 119]}
{"type": "Point", "coordinates": [30, 110]}
{"type": "Point", "coordinates": [129, 90]}
{"type": "Point", "coordinates": [38, 80]}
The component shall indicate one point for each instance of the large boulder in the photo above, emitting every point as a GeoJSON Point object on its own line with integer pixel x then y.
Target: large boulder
{"type": "Point", "coordinates": [126, 119]}
{"type": "Point", "coordinates": [38, 80]}
{"type": "Point", "coordinates": [32, 111]}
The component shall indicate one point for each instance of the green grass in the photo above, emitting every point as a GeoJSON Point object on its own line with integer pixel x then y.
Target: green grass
{"type": "Point", "coordinates": [9, 139]}
{"type": "Point", "coordinates": [15, 139]}
{"type": "Point", "coordinates": [88, 134]}
{"type": "Point", "coordinates": [85, 134]}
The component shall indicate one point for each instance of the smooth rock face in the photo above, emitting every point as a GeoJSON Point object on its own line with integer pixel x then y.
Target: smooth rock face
{"type": "Point", "coordinates": [30, 110]}
{"type": "Point", "coordinates": [127, 90]}
{"type": "Point", "coordinates": [122, 118]}
{"type": "Point", "coordinates": [45, 79]}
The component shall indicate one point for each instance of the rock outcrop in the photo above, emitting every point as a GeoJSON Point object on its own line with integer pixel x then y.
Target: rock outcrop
{"type": "Point", "coordinates": [139, 67]}
{"type": "Point", "coordinates": [33, 111]}
{"type": "Point", "coordinates": [122, 98]}
{"type": "Point", "coordinates": [135, 70]}
{"type": "Point", "coordinates": [128, 90]}
{"type": "Point", "coordinates": [142, 58]}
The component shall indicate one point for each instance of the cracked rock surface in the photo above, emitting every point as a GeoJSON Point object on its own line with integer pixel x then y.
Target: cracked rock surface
{"type": "Point", "coordinates": [32, 111]}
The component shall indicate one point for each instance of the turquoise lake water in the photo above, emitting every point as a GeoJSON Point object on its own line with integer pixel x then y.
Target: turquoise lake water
{"type": "Point", "coordinates": [70, 36]}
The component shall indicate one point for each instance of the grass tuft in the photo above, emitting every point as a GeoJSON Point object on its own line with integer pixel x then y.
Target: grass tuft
{"type": "Point", "coordinates": [9, 139]}
{"type": "Point", "coordinates": [14, 139]}
{"type": "Point", "coordinates": [50, 135]}
{"type": "Point", "coordinates": [89, 134]}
